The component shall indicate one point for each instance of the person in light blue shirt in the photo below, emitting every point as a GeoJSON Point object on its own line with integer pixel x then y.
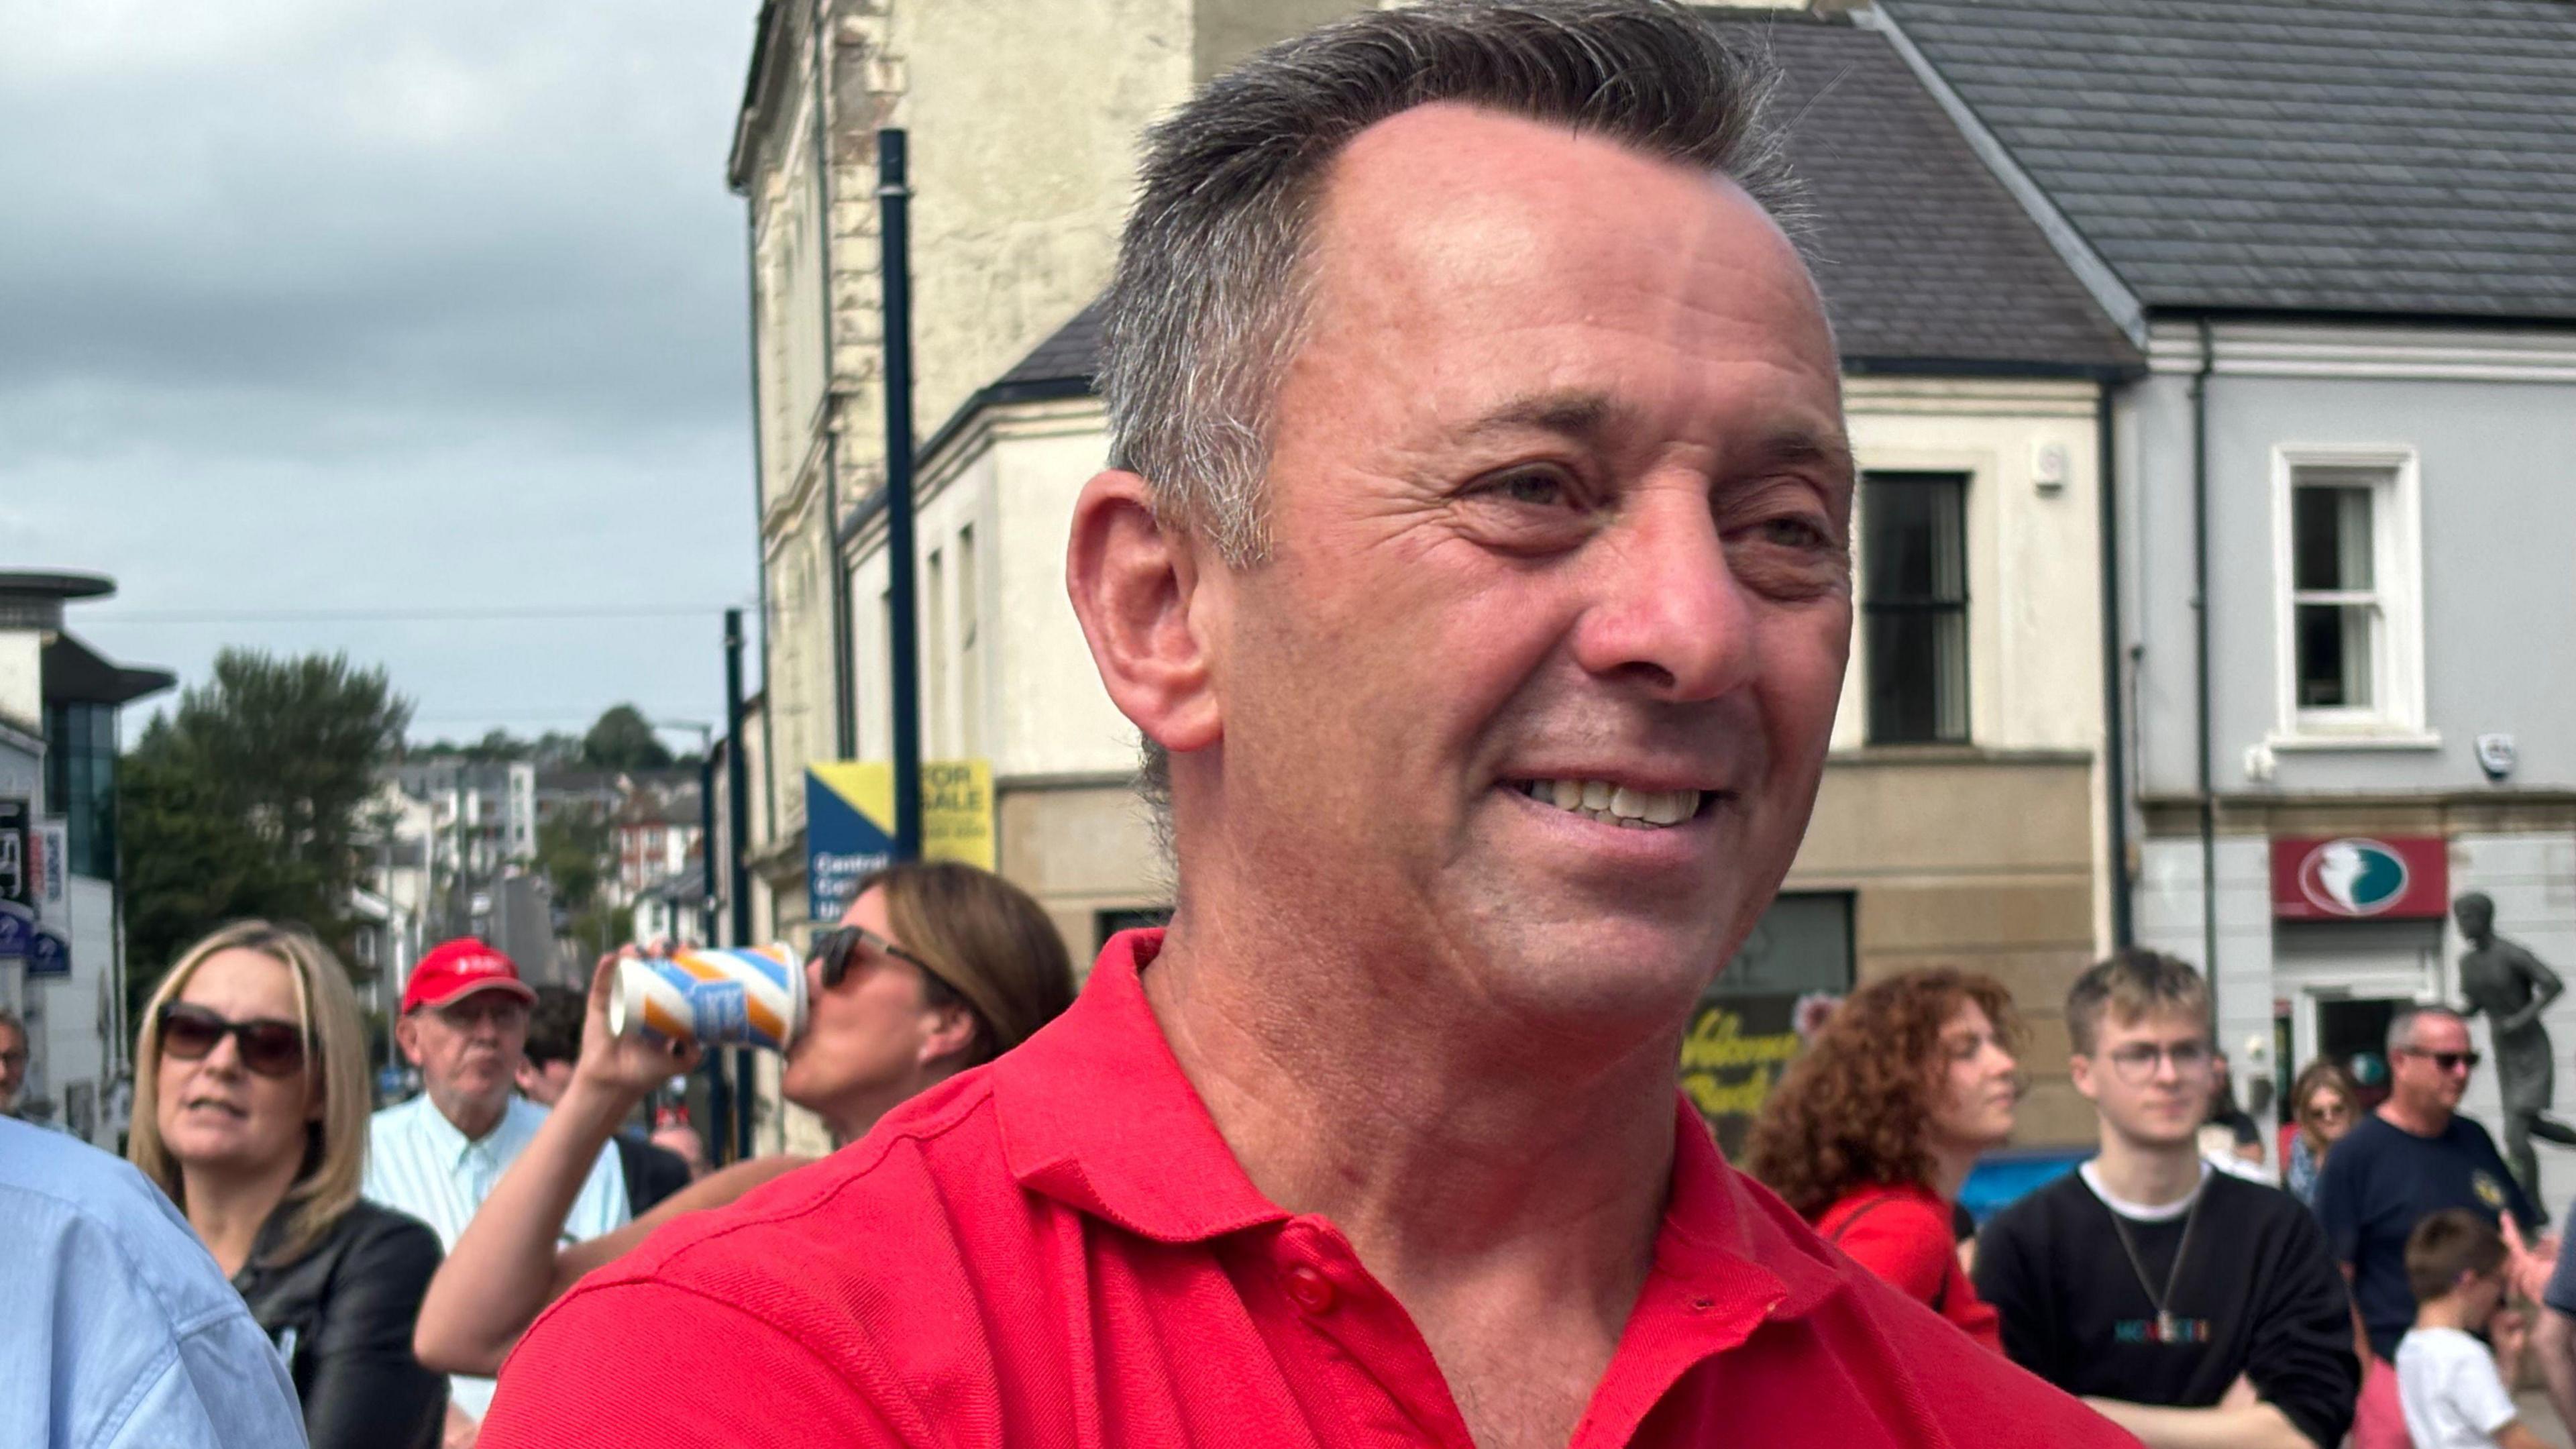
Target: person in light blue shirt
{"type": "Point", "coordinates": [121, 1333]}
{"type": "Point", "coordinates": [465, 1025]}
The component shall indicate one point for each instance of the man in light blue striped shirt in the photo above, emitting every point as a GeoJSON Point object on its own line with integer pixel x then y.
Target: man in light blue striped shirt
{"type": "Point", "coordinates": [465, 1025]}
{"type": "Point", "coordinates": [121, 1331]}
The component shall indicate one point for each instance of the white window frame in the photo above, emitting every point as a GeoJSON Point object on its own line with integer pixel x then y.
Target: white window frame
{"type": "Point", "coordinates": [2396, 717]}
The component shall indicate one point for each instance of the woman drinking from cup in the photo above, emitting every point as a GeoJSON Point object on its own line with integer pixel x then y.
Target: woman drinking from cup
{"type": "Point", "coordinates": [938, 967]}
{"type": "Point", "coordinates": [252, 1084]}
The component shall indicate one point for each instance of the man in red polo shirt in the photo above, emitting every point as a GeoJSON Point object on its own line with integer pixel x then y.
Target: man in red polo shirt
{"type": "Point", "coordinates": [1475, 562]}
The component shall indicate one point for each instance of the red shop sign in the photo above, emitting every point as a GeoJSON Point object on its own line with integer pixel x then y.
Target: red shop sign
{"type": "Point", "coordinates": [2361, 878]}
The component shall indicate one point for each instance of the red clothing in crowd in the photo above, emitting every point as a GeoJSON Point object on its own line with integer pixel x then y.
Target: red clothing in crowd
{"type": "Point", "coordinates": [1059, 1250]}
{"type": "Point", "coordinates": [1902, 1233]}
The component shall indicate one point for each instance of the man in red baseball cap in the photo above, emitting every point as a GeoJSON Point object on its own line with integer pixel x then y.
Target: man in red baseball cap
{"type": "Point", "coordinates": [465, 1025]}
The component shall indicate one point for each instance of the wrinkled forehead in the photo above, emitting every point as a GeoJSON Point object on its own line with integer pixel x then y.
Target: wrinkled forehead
{"type": "Point", "coordinates": [1448, 222]}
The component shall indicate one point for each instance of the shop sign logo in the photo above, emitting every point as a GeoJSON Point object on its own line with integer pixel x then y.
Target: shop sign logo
{"type": "Point", "coordinates": [2353, 877]}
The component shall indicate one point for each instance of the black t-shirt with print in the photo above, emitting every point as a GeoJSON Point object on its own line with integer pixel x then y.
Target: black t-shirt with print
{"type": "Point", "coordinates": [2258, 1296]}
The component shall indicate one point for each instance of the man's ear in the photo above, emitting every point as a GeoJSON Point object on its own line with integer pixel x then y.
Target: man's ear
{"type": "Point", "coordinates": [1134, 583]}
{"type": "Point", "coordinates": [2079, 1070]}
{"type": "Point", "coordinates": [529, 1077]}
{"type": "Point", "coordinates": [407, 1037]}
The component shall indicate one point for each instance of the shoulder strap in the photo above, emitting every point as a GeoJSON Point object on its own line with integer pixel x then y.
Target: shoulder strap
{"type": "Point", "coordinates": [1864, 1210]}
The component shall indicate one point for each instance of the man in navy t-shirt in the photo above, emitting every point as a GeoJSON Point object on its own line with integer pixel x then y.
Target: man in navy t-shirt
{"type": "Point", "coordinates": [2412, 1158]}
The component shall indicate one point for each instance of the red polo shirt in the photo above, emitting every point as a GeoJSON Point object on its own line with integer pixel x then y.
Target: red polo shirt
{"type": "Point", "coordinates": [1058, 1249]}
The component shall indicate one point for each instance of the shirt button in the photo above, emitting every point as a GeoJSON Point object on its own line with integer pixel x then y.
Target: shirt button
{"type": "Point", "coordinates": [1310, 1290]}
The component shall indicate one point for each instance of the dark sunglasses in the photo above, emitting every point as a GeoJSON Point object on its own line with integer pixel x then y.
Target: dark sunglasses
{"type": "Point", "coordinates": [835, 947]}
{"type": "Point", "coordinates": [270, 1048]}
{"type": "Point", "coordinates": [2447, 1061]}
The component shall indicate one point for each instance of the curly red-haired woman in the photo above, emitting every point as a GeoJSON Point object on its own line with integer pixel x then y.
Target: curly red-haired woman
{"type": "Point", "coordinates": [1873, 1128]}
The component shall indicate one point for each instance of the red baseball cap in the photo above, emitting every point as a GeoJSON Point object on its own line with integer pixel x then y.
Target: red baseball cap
{"type": "Point", "coordinates": [455, 969]}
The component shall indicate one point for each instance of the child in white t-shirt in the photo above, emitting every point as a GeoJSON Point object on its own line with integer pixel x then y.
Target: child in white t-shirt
{"type": "Point", "coordinates": [2451, 1387]}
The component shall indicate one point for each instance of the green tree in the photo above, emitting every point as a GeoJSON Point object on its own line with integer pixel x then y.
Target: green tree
{"type": "Point", "coordinates": [572, 851]}
{"type": "Point", "coordinates": [249, 798]}
{"type": "Point", "coordinates": [622, 739]}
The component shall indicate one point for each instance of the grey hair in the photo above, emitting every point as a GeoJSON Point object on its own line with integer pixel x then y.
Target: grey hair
{"type": "Point", "coordinates": [2401, 1027]}
{"type": "Point", "coordinates": [1209, 298]}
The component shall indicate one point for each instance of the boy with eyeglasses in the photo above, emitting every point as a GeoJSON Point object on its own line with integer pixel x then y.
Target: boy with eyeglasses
{"type": "Point", "coordinates": [2189, 1306]}
{"type": "Point", "coordinates": [2413, 1158]}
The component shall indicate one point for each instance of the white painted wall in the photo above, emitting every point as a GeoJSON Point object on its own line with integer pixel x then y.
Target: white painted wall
{"type": "Point", "coordinates": [22, 683]}
{"type": "Point", "coordinates": [2034, 590]}
{"type": "Point", "coordinates": [1042, 710]}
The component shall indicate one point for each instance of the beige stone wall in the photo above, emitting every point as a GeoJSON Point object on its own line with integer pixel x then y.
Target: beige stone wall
{"type": "Point", "coordinates": [1081, 848]}
{"type": "Point", "coordinates": [1976, 860]}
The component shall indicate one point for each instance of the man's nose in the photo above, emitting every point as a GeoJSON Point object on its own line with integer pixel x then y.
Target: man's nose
{"type": "Point", "coordinates": [1667, 612]}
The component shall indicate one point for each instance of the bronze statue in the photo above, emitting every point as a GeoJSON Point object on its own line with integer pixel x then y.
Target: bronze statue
{"type": "Point", "coordinates": [2512, 987]}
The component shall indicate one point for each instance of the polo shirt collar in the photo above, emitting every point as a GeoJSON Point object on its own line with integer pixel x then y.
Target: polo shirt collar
{"type": "Point", "coordinates": [448, 1144]}
{"type": "Point", "coordinates": [1095, 1112]}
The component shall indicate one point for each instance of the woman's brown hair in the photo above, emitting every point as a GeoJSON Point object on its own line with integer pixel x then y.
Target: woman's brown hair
{"type": "Point", "coordinates": [2315, 1077]}
{"type": "Point", "coordinates": [993, 948]}
{"type": "Point", "coordinates": [1854, 1108]}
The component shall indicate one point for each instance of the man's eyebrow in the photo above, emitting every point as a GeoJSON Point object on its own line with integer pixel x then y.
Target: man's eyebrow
{"type": "Point", "coordinates": [1583, 415]}
{"type": "Point", "coordinates": [1799, 448]}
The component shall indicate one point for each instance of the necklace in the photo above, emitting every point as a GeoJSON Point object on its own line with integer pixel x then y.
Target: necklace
{"type": "Point", "coordinates": [2168, 1328]}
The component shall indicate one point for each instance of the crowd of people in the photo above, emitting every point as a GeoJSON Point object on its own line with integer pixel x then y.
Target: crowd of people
{"type": "Point", "coordinates": [1474, 559]}
{"type": "Point", "coordinates": [384, 1262]}
{"type": "Point", "coordinates": [2164, 1281]}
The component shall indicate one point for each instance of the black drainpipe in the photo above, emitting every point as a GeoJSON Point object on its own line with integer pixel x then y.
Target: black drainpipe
{"type": "Point", "coordinates": [2200, 626]}
{"type": "Point", "coordinates": [2115, 761]}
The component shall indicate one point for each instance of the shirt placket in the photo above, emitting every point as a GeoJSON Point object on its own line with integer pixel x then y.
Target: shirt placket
{"type": "Point", "coordinates": [1362, 1326]}
{"type": "Point", "coordinates": [1676, 1326]}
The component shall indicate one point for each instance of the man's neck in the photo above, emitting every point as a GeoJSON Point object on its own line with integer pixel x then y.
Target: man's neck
{"type": "Point", "coordinates": [2419, 1118]}
{"type": "Point", "coordinates": [229, 1208]}
{"type": "Point", "coordinates": [2146, 1174]}
{"type": "Point", "coordinates": [1501, 1203]}
{"type": "Point", "coordinates": [474, 1118]}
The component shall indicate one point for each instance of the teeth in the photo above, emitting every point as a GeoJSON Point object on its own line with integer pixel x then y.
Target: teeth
{"type": "Point", "coordinates": [1617, 804]}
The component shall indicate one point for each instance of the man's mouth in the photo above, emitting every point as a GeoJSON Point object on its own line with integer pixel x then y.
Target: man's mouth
{"type": "Point", "coordinates": [1619, 805]}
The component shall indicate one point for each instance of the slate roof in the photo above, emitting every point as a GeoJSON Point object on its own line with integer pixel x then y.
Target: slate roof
{"type": "Point", "coordinates": [1926, 262]}
{"type": "Point", "coordinates": [1924, 258]}
{"type": "Point", "coordinates": [2411, 157]}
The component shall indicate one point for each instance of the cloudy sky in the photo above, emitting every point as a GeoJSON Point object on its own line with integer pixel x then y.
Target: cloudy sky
{"type": "Point", "coordinates": [359, 324]}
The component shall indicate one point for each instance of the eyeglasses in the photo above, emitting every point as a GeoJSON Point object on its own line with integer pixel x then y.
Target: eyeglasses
{"type": "Point", "coordinates": [835, 948]}
{"type": "Point", "coordinates": [2328, 1111]}
{"type": "Point", "coordinates": [269, 1047]}
{"type": "Point", "coordinates": [2136, 1062]}
{"type": "Point", "coordinates": [2446, 1061]}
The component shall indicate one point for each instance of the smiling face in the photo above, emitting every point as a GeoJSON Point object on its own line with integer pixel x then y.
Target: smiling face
{"type": "Point", "coordinates": [1538, 677]}
{"type": "Point", "coordinates": [215, 1114]}
{"type": "Point", "coordinates": [1978, 1084]}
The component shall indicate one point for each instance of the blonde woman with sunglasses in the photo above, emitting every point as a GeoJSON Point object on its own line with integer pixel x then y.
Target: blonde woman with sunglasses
{"type": "Point", "coordinates": [251, 1085]}
{"type": "Point", "coordinates": [935, 969]}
